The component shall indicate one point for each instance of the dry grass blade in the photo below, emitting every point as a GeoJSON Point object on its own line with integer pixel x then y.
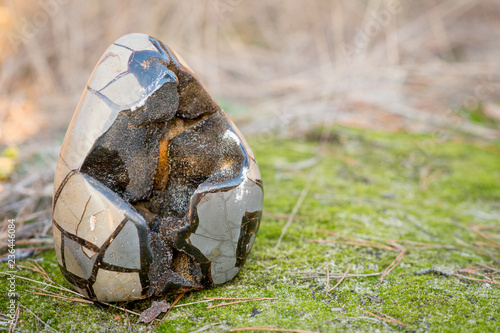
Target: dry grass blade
{"type": "Point", "coordinates": [300, 200]}
{"type": "Point", "coordinates": [67, 290]}
{"type": "Point", "coordinates": [360, 242]}
{"type": "Point", "coordinates": [35, 241]}
{"type": "Point", "coordinates": [56, 295]}
{"type": "Point", "coordinates": [121, 308]}
{"type": "Point", "coordinates": [192, 303]}
{"type": "Point", "coordinates": [268, 329]}
{"type": "Point", "coordinates": [80, 295]}
{"type": "Point", "coordinates": [388, 319]}
{"type": "Point", "coordinates": [339, 275]}
{"type": "Point", "coordinates": [492, 270]}
{"type": "Point", "coordinates": [485, 227]}
{"type": "Point", "coordinates": [496, 246]}
{"type": "Point", "coordinates": [473, 279]}
{"type": "Point", "coordinates": [327, 278]}
{"type": "Point", "coordinates": [38, 318]}
{"type": "Point", "coordinates": [392, 265]}
{"type": "Point", "coordinates": [235, 298]}
{"type": "Point", "coordinates": [37, 249]}
{"type": "Point", "coordinates": [421, 245]}
{"type": "Point", "coordinates": [13, 323]}
{"type": "Point", "coordinates": [43, 283]}
{"type": "Point", "coordinates": [467, 271]}
{"type": "Point", "coordinates": [342, 279]}
{"type": "Point", "coordinates": [241, 301]}
{"type": "Point", "coordinates": [480, 250]}
{"type": "Point", "coordinates": [62, 297]}
{"type": "Point", "coordinates": [380, 246]}
{"type": "Point", "coordinates": [485, 236]}
{"type": "Point", "coordinates": [394, 319]}
{"type": "Point", "coordinates": [35, 267]}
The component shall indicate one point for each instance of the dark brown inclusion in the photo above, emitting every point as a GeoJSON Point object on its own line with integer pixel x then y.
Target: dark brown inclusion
{"type": "Point", "coordinates": [249, 227]}
{"type": "Point", "coordinates": [156, 156]}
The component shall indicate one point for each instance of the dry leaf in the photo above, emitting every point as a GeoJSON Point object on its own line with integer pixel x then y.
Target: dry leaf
{"type": "Point", "coordinates": [152, 312]}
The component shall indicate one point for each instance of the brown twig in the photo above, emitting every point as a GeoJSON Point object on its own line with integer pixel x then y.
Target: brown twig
{"type": "Point", "coordinates": [168, 311]}
{"type": "Point", "coordinates": [13, 323]}
{"type": "Point", "coordinates": [43, 283]}
{"type": "Point", "coordinates": [485, 236]}
{"type": "Point", "coordinates": [342, 279]}
{"type": "Point", "coordinates": [62, 297]}
{"type": "Point", "coordinates": [492, 269]}
{"type": "Point", "coordinates": [392, 265]}
{"type": "Point", "coordinates": [327, 278]}
{"type": "Point", "coordinates": [485, 227]}
{"type": "Point", "coordinates": [394, 319]}
{"type": "Point", "coordinates": [269, 329]}
{"type": "Point", "coordinates": [361, 241]}
{"type": "Point", "coordinates": [51, 293]}
{"type": "Point", "coordinates": [233, 298]}
{"type": "Point", "coordinates": [473, 279]}
{"type": "Point", "coordinates": [350, 243]}
{"type": "Point", "coordinates": [186, 304]}
{"type": "Point", "coordinates": [38, 318]}
{"type": "Point", "coordinates": [340, 275]}
{"type": "Point", "coordinates": [424, 245]}
{"type": "Point", "coordinates": [477, 271]}
{"type": "Point", "coordinates": [241, 301]}
{"type": "Point", "coordinates": [496, 246]}
{"type": "Point", "coordinates": [35, 267]}
{"type": "Point", "coordinates": [388, 319]}
{"type": "Point", "coordinates": [300, 200]}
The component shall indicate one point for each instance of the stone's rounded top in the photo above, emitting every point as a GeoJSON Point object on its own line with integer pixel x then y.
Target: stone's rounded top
{"type": "Point", "coordinates": [156, 191]}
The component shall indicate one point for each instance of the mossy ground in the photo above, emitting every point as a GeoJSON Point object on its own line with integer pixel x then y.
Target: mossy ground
{"type": "Point", "coordinates": [371, 186]}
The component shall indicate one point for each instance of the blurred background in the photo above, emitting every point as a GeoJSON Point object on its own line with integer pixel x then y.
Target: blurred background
{"type": "Point", "coordinates": [277, 67]}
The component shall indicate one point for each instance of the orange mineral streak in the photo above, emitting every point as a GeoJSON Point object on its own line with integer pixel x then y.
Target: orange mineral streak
{"type": "Point", "coordinates": [175, 126]}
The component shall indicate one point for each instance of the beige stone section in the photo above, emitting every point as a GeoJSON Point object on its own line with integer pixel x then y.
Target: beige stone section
{"type": "Point", "coordinates": [88, 252]}
{"type": "Point", "coordinates": [116, 286]}
{"type": "Point", "coordinates": [86, 212]}
{"type": "Point", "coordinates": [91, 119]}
{"type": "Point", "coordinates": [125, 91]}
{"type": "Point", "coordinates": [67, 211]}
{"type": "Point", "coordinates": [253, 171]}
{"type": "Point", "coordinates": [136, 42]}
{"type": "Point", "coordinates": [62, 171]}
{"type": "Point", "coordinates": [113, 62]}
{"type": "Point", "coordinates": [57, 244]}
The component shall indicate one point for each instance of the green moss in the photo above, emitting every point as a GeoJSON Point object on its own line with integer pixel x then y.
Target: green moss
{"type": "Point", "coordinates": [371, 186]}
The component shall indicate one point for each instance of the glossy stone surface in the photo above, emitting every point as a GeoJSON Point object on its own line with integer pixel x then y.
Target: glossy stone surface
{"type": "Point", "coordinates": [156, 191]}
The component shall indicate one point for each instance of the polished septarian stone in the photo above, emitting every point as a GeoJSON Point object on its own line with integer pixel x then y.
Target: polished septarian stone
{"type": "Point", "coordinates": [156, 191]}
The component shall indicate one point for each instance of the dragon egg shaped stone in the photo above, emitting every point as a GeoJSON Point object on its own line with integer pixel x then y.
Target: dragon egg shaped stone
{"type": "Point", "coordinates": [156, 191]}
